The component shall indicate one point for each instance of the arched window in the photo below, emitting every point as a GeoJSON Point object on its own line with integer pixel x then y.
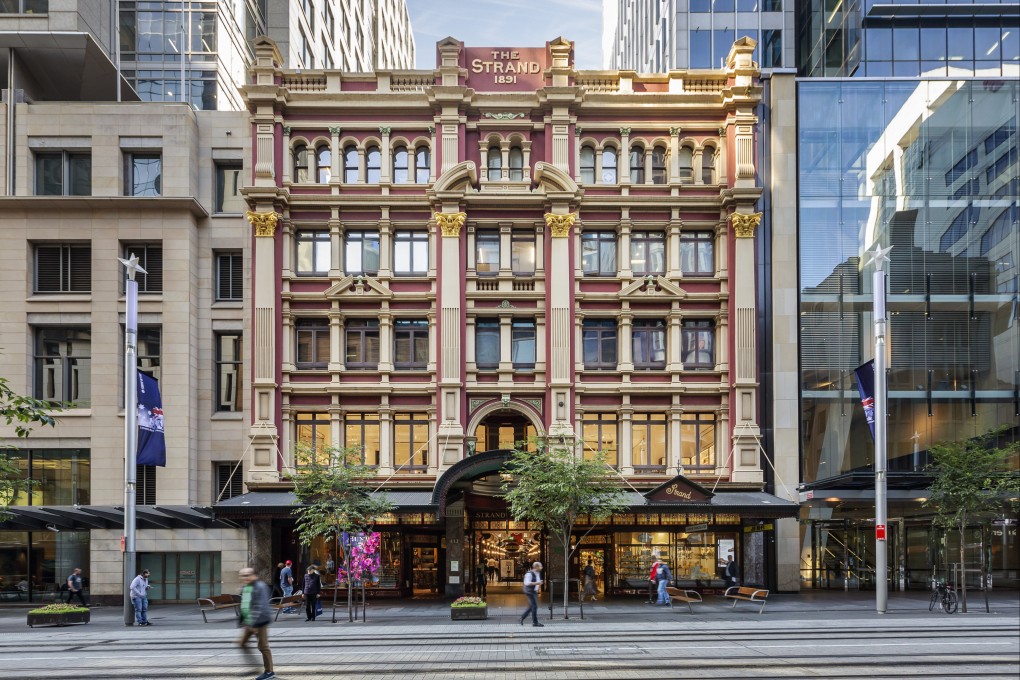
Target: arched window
{"type": "Point", "coordinates": [373, 165]}
{"type": "Point", "coordinates": [637, 165]}
{"type": "Point", "coordinates": [609, 165]}
{"type": "Point", "coordinates": [400, 165]}
{"type": "Point", "coordinates": [686, 159]}
{"type": "Point", "coordinates": [350, 164]}
{"type": "Point", "coordinates": [422, 164]}
{"type": "Point", "coordinates": [323, 161]}
{"type": "Point", "coordinates": [587, 165]}
{"type": "Point", "coordinates": [659, 165]}
{"type": "Point", "coordinates": [301, 175]}
{"type": "Point", "coordinates": [708, 165]}
{"type": "Point", "coordinates": [494, 162]}
{"type": "Point", "coordinates": [516, 164]}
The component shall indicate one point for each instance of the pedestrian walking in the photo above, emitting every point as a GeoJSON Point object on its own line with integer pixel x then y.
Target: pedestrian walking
{"type": "Point", "coordinates": [312, 588]}
{"type": "Point", "coordinates": [652, 585]}
{"type": "Point", "coordinates": [589, 582]}
{"type": "Point", "coordinates": [76, 587]}
{"type": "Point", "coordinates": [140, 598]}
{"type": "Point", "coordinates": [287, 583]}
{"type": "Point", "coordinates": [731, 573]}
{"type": "Point", "coordinates": [277, 590]}
{"type": "Point", "coordinates": [255, 618]}
{"type": "Point", "coordinates": [662, 578]}
{"type": "Point", "coordinates": [532, 582]}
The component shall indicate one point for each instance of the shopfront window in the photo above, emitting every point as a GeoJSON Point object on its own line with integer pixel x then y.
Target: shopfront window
{"type": "Point", "coordinates": [600, 434]}
{"type": "Point", "coordinates": [696, 558]}
{"type": "Point", "coordinates": [33, 565]}
{"type": "Point", "coordinates": [60, 476]}
{"type": "Point", "coordinates": [648, 435]}
{"type": "Point", "coordinates": [182, 576]}
{"type": "Point", "coordinates": [361, 432]}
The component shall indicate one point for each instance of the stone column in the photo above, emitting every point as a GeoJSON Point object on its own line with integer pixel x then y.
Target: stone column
{"type": "Point", "coordinates": [288, 157]}
{"type": "Point", "coordinates": [384, 152]}
{"type": "Point", "coordinates": [746, 433]}
{"type": "Point", "coordinates": [385, 249]}
{"type": "Point", "coordinates": [385, 341]}
{"type": "Point", "coordinates": [451, 321]}
{"type": "Point", "coordinates": [336, 334]}
{"type": "Point", "coordinates": [626, 450]}
{"type": "Point", "coordinates": [623, 252]}
{"type": "Point", "coordinates": [673, 337]}
{"type": "Point", "coordinates": [454, 585]}
{"type": "Point", "coordinates": [674, 460]}
{"type": "Point", "coordinates": [623, 160]}
{"type": "Point", "coordinates": [387, 463]}
{"type": "Point", "coordinates": [336, 244]}
{"type": "Point", "coordinates": [560, 326]}
{"type": "Point", "coordinates": [263, 431]}
{"type": "Point", "coordinates": [260, 548]}
{"type": "Point", "coordinates": [626, 363]}
{"type": "Point", "coordinates": [674, 155]}
{"type": "Point", "coordinates": [506, 367]}
{"type": "Point", "coordinates": [432, 154]}
{"type": "Point", "coordinates": [673, 265]}
{"type": "Point", "coordinates": [335, 155]}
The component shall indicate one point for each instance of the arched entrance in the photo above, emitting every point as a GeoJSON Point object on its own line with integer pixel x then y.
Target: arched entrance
{"type": "Point", "coordinates": [505, 429]}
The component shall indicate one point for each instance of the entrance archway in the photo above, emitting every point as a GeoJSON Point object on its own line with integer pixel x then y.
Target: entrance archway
{"type": "Point", "coordinates": [503, 426]}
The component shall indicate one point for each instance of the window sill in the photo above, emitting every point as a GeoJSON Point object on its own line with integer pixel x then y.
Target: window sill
{"type": "Point", "coordinates": [227, 415]}
{"type": "Point", "coordinates": [75, 413]}
{"type": "Point", "coordinates": [60, 297]}
{"type": "Point", "coordinates": [410, 370]}
{"type": "Point", "coordinates": [228, 304]}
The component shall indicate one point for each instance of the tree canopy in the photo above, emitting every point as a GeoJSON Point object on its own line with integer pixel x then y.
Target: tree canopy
{"type": "Point", "coordinates": [25, 414]}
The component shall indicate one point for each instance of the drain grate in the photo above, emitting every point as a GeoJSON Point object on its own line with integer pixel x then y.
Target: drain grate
{"type": "Point", "coordinates": [590, 651]}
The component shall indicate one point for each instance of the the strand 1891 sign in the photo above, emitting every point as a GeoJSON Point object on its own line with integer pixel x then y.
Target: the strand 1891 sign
{"type": "Point", "coordinates": [505, 68]}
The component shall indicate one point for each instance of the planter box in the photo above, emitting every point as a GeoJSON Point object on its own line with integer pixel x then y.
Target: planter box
{"type": "Point", "coordinates": [469, 613]}
{"type": "Point", "coordinates": [58, 619]}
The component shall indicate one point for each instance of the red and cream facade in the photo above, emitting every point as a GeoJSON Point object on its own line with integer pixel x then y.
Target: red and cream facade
{"type": "Point", "coordinates": [506, 246]}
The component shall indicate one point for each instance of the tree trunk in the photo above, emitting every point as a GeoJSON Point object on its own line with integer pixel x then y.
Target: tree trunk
{"type": "Point", "coordinates": [963, 568]}
{"type": "Point", "coordinates": [566, 572]}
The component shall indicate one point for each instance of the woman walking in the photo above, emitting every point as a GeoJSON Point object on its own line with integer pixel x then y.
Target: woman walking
{"type": "Point", "coordinates": [312, 588]}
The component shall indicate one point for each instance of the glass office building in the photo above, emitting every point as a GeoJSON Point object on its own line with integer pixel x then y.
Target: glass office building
{"type": "Point", "coordinates": [930, 168]}
{"type": "Point", "coordinates": [908, 38]}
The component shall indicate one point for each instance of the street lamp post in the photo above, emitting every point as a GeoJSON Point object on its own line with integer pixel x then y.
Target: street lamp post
{"type": "Point", "coordinates": [879, 257]}
{"type": "Point", "coordinates": [130, 427]}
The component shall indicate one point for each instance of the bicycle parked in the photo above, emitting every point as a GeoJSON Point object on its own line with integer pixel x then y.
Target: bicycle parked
{"type": "Point", "coordinates": [944, 596]}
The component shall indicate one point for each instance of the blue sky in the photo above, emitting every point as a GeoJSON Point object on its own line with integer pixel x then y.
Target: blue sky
{"type": "Point", "coordinates": [508, 23]}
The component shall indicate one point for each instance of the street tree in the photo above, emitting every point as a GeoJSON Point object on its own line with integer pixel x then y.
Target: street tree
{"type": "Point", "coordinates": [971, 479]}
{"type": "Point", "coordinates": [334, 500]}
{"type": "Point", "coordinates": [555, 485]}
{"type": "Point", "coordinates": [25, 414]}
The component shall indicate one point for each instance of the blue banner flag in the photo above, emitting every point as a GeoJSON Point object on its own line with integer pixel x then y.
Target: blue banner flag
{"type": "Point", "coordinates": [151, 444]}
{"type": "Point", "coordinates": [866, 386]}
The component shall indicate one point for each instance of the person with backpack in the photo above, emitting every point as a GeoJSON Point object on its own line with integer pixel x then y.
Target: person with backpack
{"type": "Point", "coordinates": [532, 582]}
{"type": "Point", "coordinates": [256, 616]}
{"type": "Point", "coordinates": [662, 578]}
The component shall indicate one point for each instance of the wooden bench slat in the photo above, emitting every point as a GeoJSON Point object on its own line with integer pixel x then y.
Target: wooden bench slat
{"type": "Point", "coordinates": [217, 602]}
{"type": "Point", "coordinates": [748, 594]}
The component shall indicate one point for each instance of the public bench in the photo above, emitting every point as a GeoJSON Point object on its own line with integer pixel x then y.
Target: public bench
{"type": "Point", "coordinates": [737, 593]}
{"type": "Point", "coordinates": [217, 602]}
{"type": "Point", "coordinates": [288, 602]}
{"type": "Point", "coordinates": [685, 596]}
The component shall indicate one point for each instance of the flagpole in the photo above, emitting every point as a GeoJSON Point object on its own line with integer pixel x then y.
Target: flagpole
{"type": "Point", "coordinates": [879, 258]}
{"type": "Point", "coordinates": [130, 429]}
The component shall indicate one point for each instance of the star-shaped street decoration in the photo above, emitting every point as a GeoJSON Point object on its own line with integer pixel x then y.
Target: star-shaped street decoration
{"type": "Point", "coordinates": [879, 256]}
{"type": "Point", "coordinates": [131, 265]}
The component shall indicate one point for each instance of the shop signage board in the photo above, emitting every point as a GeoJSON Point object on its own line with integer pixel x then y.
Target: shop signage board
{"type": "Point", "coordinates": [679, 490]}
{"type": "Point", "coordinates": [505, 68]}
{"type": "Point", "coordinates": [879, 532]}
{"type": "Point", "coordinates": [696, 527]}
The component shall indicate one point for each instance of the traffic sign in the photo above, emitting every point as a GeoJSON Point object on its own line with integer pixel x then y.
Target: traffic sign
{"type": "Point", "coordinates": [879, 532]}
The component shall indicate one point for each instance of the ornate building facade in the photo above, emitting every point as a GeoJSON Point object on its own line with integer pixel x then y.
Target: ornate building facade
{"type": "Point", "coordinates": [451, 263]}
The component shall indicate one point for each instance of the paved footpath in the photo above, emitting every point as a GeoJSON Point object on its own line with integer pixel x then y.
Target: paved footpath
{"type": "Point", "coordinates": [816, 635]}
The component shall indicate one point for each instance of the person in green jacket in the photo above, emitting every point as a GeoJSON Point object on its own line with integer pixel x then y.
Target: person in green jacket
{"type": "Point", "coordinates": [255, 618]}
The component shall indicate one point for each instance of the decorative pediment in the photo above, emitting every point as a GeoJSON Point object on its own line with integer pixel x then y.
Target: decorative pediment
{"type": "Point", "coordinates": [679, 490]}
{"type": "Point", "coordinates": [457, 178]}
{"type": "Point", "coordinates": [652, 286]}
{"type": "Point", "coordinates": [359, 286]}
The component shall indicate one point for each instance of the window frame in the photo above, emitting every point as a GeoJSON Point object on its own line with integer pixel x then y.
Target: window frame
{"type": "Point", "coordinates": [698, 241]}
{"type": "Point", "coordinates": [415, 330]}
{"type": "Point", "coordinates": [411, 420]}
{"type": "Point", "coordinates": [312, 329]}
{"type": "Point", "coordinates": [644, 331]}
{"type": "Point", "coordinates": [586, 172]}
{"type": "Point", "coordinates": [615, 167]}
{"type": "Point", "coordinates": [235, 275]}
{"type": "Point", "coordinates": [601, 421]}
{"type": "Point", "coordinates": [636, 157]}
{"type": "Point", "coordinates": [67, 159]}
{"type": "Point", "coordinates": [302, 170]}
{"type": "Point", "coordinates": [224, 366]}
{"type": "Point", "coordinates": [424, 167]}
{"type": "Point", "coordinates": [130, 183]}
{"type": "Point", "coordinates": [151, 282]}
{"type": "Point", "coordinates": [401, 173]}
{"type": "Point", "coordinates": [645, 240]}
{"type": "Point", "coordinates": [65, 362]}
{"type": "Point", "coordinates": [697, 420]}
{"type": "Point", "coordinates": [318, 238]}
{"type": "Point", "coordinates": [411, 237]}
{"type": "Point", "coordinates": [315, 421]}
{"type": "Point", "coordinates": [517, 238]}
{"type": "Point", "coordinates": [603, 330]}
{"type": "Point", "coordinates": [649, 422]}
{"type": "Point", "coordinates": [708, 163]}
{"type": "Point", "coordinates": [691, 330]}
{"type": "Point", "coordinates": [323, 163]}
{"type": "Point", "coordinates": [363, 422]}
{"type": "Point", "coordinates": [521, 331]}
{"type": "Point", "coordinates": [220, 169]}
{"type": "Point", "coordinates": [489, 237]}
{"type": "Point", "coordinates": [373, 164]}
{"type": "Point", "coordinates": [660, 172]}
{"type": "Point", "coordinates": [491, 154]}
{"type": "Point", "coordinates": [487, 329]}
{"type": "Point", "coordinates": [67, 253]}
{"type": "Point", "coordinates": [364, 330]}
{"type": "Point", "coordinates": [601, 239]}
{"type": "Point", "coordinates": [360, 240]}
{"type": "Point", "coordinates": [515, 162]}
{"type": "Point", "coordinates": [350, 164]}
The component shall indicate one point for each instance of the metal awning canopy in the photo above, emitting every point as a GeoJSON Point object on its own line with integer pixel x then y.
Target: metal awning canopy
{"type": "Point", "coordinates": [85, 517]}
{"type": "Point", "coordinates": [280, 503]}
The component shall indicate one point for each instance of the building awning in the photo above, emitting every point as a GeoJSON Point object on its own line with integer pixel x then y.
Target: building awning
{"type": "Point", "coordinates": [280, 503]}
{"type": "Point", "coordinates": [85, 517]}
{"type": "Point", "coordinates": [756, 504]}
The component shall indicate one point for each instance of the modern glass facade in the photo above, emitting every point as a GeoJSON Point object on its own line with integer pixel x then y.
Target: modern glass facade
{"type": "Point", "coordinates": [909, 38]}
{"type": "Point", "coordinates": [930, 168]}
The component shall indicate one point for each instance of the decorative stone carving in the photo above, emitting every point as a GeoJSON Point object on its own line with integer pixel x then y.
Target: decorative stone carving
{"type": "Point", "coordinates": [450, 223]}
{"type": "Point", "coordinates": [286, 130]}
{"type": "Point", "coordinates": [744, 225]}
{"type": "Point", "coordinates": [431, 129]}
{"type": "Point", "coordinates": [625, 131]}
{"type": "Point", "coordinates": [560, 225]}
{"type": "Point", "coordinates": [502, 115]}
{"type": "Point", "coordinates": [263, 223]}
{"type": "Point", "coordinates": [578, 131]}
{"type": "Point", "coordinates": [334, 130]}
{"type": "Point", "coordinates": [674, 131]}
{"type": "Point", "coordinates": [384, 130]}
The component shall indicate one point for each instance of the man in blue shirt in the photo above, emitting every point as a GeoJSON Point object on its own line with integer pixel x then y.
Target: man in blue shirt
{"type": "Point", "coordinates": [287, 583]}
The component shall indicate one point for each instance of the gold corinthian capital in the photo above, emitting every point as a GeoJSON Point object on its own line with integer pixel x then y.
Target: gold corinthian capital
{"type": "Point", "coordinates": [450, 223]}
{"type": "Point", "coordinates": [744, 225]}
{"type": "Point", "coordinates": [560, 225]}
{"type": "Point", "coordinates": [263, 223]}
